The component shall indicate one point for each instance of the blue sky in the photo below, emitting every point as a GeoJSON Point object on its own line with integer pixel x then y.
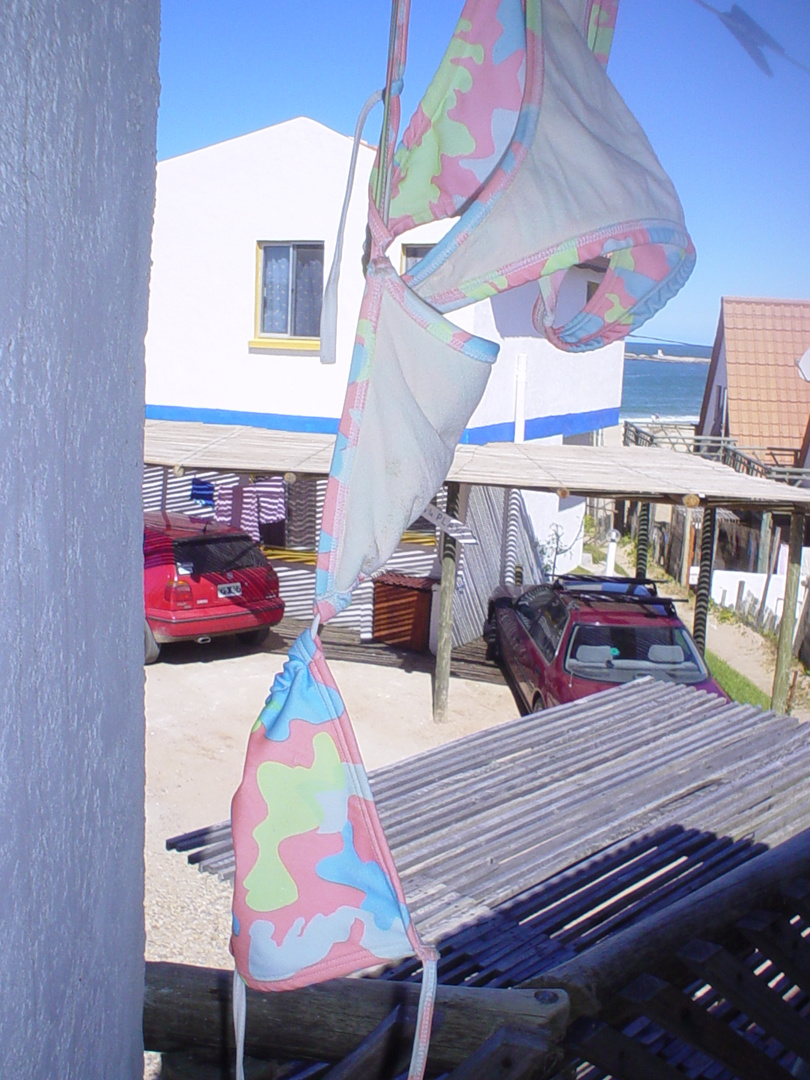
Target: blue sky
{"type": "Point", "coordinates": [735, 142]}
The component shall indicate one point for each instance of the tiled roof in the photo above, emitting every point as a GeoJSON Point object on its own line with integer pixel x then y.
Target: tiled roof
{"type": "Point", "coordinates": [768, 400]}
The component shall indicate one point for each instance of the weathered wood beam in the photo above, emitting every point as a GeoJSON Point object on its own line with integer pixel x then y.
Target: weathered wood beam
{"type": "Point", "coordinates": [595, 975]}
{"type": "Point", "coordinates": [784, 646]}
{"type": "Point", "coordinates": [765, 529]}
{"type": "Point", "coordinates": [686, 549]}
{"type": "Point", "coordinates": [385, 1052]}
{"type": "Point", "coordinates": [447, 589]}
{"type": "Point", "coordinates": [511, 1055]}
{"type": "Point", "coordinates": [187, 1008]}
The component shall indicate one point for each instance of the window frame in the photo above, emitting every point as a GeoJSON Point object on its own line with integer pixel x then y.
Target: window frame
{"type": "Point", "coordinates": [409, 258]}
{"type": "Point", "coordinates": [277, 341]}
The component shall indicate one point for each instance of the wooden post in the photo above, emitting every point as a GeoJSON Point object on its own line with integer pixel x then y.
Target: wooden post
{"type": "Point", "coordinates": [642, 539]}
{"type": "Point", "coordinates": [804, 621]}
{"type": "Point", "coordinates": [620, 515]}
{"type": "Point", "coordinates": [704, 585]}
{"type": "Point", "coordinates": [686, 549]}
{"type": "Point", "coordinates": [776, 541]}
{"type": "Point", "coordinates": [510, 536]}
{"type": "Point", "coordinates": [764, 542]}
{"type": "Point", "coordinates": [444, 645]}
{"type": "Point", "coordinates": [784, 647]}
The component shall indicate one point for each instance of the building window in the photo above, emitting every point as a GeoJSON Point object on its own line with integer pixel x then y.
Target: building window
{"type": "Point", "coordinates": [412, 254]}
{"type": "Point", "coordinates": [290, 292]}
{"type": "Point", "coordinates": [596, 271]}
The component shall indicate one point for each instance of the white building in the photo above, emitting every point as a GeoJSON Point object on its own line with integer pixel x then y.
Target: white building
{"type": "Point", "coordinates": [244, 235]}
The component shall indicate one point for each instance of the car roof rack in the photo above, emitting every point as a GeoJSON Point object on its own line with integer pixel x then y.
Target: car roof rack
{"type": "Point", "coordinates": [585, 587]}
{"type": "Point", "coordinates": [564, 580]}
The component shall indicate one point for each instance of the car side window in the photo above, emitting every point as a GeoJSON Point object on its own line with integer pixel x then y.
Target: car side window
{"type": "Point", "coordinates": [532, 604]}
{"type": "Point", "coordinates": [541, 639]}
{"type": "Point", "coordinates": [548, 626]}
{"type": "Point", "coordinates": [557, 617]}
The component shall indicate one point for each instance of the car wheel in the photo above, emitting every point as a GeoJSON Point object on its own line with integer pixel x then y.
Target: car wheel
{"type": "Point", "coordinates": [151, 649]}
{"type": "Point", "coordinates": [537, 703]}
{"type": "Point", "coordinates": [493, 648]}
{"type": "Point", "coordinates": [255, 637]}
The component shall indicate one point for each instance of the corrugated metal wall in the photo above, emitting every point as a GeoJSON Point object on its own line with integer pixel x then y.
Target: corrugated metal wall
{"type": "Point", "coordinates": [497, 516]}
{"type": "Point", "coordinates": [506, 540]}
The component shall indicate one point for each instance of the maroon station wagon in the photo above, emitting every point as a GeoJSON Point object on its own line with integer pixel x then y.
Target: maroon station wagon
{"type": "Point", "coordinates": [572, 637]}
{"type": "Point", "coordinates": [201, 580]}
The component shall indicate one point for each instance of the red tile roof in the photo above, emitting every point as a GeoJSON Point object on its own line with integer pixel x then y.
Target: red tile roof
{"type": "Point", "coordinates": [768, 400]}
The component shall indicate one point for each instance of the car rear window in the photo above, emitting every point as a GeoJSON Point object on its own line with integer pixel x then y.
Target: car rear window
{"type": "Point", "coordinates": [217, 554]}
{"type": "Point", "coordinates": [621, 653]}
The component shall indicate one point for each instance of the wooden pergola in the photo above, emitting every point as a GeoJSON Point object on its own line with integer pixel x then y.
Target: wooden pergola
{"type": "Point", "coordinates": [642, 474]}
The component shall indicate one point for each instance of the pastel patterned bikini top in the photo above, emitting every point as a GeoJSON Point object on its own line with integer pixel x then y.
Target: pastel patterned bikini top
{"type": "Point", "coordinates": [523, 139]}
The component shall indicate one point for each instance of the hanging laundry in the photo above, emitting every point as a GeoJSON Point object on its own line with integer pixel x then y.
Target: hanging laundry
{"type": "Point", "coordinates": [316, 891]}
{"type": "Point", "coordinates": [249, 506]}
{"type": "Point", "coordinates": [523, 137]}
{"type": "Point", "coordinates": [578, 181]}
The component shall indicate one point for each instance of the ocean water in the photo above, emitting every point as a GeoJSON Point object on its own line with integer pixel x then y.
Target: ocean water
{"type": "Point", "coordinates": [667, 388]}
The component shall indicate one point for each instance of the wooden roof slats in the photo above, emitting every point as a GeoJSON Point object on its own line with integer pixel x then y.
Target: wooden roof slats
{"type": "Point", "coordinates": [474, 824]}
{"type": "Point", "coordinates": [749, 994]}
{"type": "Point", "coordinates": [615, 1053]}
{"type": "Point", "coordinates": [653, 474]}
{"type": "Point", "coordinates": [581, 848]}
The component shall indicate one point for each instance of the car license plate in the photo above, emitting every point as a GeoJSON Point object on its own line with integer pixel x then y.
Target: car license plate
{"type": "Point", "coordinates": [233, 588]}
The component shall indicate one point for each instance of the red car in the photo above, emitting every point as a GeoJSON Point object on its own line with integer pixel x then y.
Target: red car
{"type": "Point", "coordinates": [202, 579]}
{"type": "Point", "coordinates": [572, 637]}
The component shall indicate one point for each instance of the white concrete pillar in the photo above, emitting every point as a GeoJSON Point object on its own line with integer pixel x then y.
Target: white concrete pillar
{"type": "Point", "coordinates": [78, 107]}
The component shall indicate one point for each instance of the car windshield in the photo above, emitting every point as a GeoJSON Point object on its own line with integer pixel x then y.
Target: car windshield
{"type": "Point", "coordinates": [621, 653]}
{"type": "Point", "coordinates": [216, 554]}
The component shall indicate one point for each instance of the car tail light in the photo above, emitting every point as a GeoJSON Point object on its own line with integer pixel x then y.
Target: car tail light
{"type": "Point", "coordinates": [177, 594]}
{"type": "Point", "coordinates": [270, 584]}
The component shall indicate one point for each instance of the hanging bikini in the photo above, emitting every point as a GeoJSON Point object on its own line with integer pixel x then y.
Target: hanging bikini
{"type": "Point", "coordinates": [523, 138]}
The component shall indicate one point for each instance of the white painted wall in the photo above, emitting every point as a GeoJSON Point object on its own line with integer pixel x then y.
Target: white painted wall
{"type": "Point", "coordinates": [286, 183]}
{"type": "Point", "coordinates": [283, 183]}
{"type": "Point", "coordinates": [561, 388]}
{"type": "Point", "coordinates": [78, 106]}
{"type": "Point", "coordinates": [725, 584]}
{"type": "Point", "coordinates": [558, 525]}
{"type": "Point", "coordinates": [714, 389]}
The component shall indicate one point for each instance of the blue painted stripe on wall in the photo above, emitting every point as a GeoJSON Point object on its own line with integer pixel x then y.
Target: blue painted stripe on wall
{"type": "Point", "coordinates": [571, 423]}
{"type": "Point", "coordinates": [489, 433]}
{"type": "Point", "coordinates": [322, 425]}
{"type": "Point", "coordinates": [540, 427]}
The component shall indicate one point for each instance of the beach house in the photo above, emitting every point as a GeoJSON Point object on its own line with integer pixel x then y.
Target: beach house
{"type": "Point", "coordinates": [244, 236]}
